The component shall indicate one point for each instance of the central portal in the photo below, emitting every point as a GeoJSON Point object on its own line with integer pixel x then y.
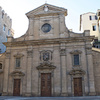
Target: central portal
{"type": "Point", "coordinates": [46, 84]}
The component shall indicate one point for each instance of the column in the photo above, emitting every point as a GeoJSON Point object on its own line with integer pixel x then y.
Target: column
{"type": "Point", "coordinates": [57, 73]}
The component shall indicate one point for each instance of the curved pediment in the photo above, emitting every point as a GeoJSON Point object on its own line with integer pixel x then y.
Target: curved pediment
{"type": "Point", "coordinates": [17, 73]}
{"type": "Point", "coordinates": [46, 66]}
{"type": "Point", "coordinates": [77, 71]}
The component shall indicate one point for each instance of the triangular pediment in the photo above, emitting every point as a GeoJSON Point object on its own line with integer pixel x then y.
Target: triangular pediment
{"type": "Point", "coordinates": [46, 9]}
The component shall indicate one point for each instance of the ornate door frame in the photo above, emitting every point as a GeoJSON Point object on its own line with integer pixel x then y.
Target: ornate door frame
{"type": "Point", "coordinates": [77, 82]}
{"type": "Point", "coordinates": [17, 75]}
{"type": "Point", "coordinates": [46, 68]}
{"type": "Point", "coordinates": [77, 73]}
{"type": "Point", "coordinates": [46, 84]}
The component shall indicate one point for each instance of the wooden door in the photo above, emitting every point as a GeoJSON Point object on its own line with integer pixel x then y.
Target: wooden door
{"type": "Point", "coordinates": [45, 84]}
{"type": "Point", "coordinates": [16, 90]}
{"type": "Point", "coordinates": [77, 86]}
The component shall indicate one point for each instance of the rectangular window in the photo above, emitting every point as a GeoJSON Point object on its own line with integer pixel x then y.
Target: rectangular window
{"type": "Point", "coordinates": [94, 27]}
{"type": "Point", "coordinates": [17, 62]}
{"type": "Point", "coordinates": [90, 17]}
{"type": "Point", "coordinates": [76, 59]}
{"type": "Point", "coordinates": [9, 32]}
{"type": "Point", "coordinates": [2, 14]}
{"type": "Point", "coordinates": [96, 18]}
{"type": "Point", "coordinates": [93, 17]}
{"type": "Point", "coordinates": [4, 27]}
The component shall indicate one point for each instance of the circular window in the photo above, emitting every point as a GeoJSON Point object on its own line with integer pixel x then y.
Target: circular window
{"type": "Point", "coordinates": [46, 28]}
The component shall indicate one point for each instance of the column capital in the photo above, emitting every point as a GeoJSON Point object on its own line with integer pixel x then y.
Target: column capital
{"type": "Point", "coordinates": [29, 53]}
{"type": "Point", "coordinates": [63, 52]}
{"type": "Point", "coordinates": [8, 55]}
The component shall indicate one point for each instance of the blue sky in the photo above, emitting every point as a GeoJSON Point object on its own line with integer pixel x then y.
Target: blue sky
{"type": "Point", "coordinates": [16, 9]}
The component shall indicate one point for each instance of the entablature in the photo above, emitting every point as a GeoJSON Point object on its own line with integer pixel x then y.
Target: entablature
{"type": "Point", "coordinates": [49, 41]}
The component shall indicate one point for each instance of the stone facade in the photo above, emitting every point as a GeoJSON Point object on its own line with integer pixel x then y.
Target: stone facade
{"type": "Point", "coordinates": [49, 60]}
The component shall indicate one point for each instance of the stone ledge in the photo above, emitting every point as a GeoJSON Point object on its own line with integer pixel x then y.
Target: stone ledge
{"type": "Point", "coordinates": [64, 94]}
{"type": "Point", "coordinates": [27, 94]}
{"type": "Point", "coordinates": [92, 94]}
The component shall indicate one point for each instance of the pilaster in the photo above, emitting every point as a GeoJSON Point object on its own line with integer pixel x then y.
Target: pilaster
{"type": "Point", "coordinates": [90, 72]}
{"type": "Point", "coordinates": [29, 74]}
{"type": "Point", "coordinates": [6, 71]}
{"type": "Point", "coordinates": [63, 70]}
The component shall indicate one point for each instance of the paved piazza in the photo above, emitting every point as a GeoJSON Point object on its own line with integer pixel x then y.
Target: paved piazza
{"type": "Point", "coordinates": [49, 98]}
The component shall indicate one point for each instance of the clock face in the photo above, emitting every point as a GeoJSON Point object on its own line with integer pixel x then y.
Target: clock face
{"type": "Point", "coordinates": [46, 28]}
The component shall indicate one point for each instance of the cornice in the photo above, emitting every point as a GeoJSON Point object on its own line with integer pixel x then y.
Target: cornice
{"type": "Point", "coordinates": [49, 13]}
{"type": "Point", "coordinates": [49, 41]}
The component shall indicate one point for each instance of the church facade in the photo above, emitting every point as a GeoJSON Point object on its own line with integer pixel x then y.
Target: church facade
{"type": "Point", "coordinates": [49, 60]}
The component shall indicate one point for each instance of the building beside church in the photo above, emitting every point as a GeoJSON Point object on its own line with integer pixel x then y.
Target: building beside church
{"type": "Point", "coordinates": [50, 60]}
{"type": "Point", "coordinates": [5, 29]}
{"type": "Point", "coordinates": [91, 21]}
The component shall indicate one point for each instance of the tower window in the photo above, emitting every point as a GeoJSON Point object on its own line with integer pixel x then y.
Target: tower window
{"type": "Point", "coordinates": [93, 17]}
{"type": "Point", "coordinates": [4, 27]}
{"type": "Point", "coordinates": [90, 17]}
{"type": "Point", "coordinates": [2, 14]}
{"type": "Point", "coordinates": [96, 18]}
{"type": "Point", "coordinates": [9, 32]}
{"type": "Point", "coordinates": [94, 27]}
